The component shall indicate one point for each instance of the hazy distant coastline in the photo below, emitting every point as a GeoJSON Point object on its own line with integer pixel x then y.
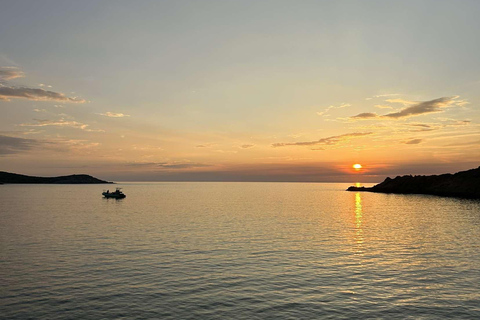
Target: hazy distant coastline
{"type": "Point", "coordinates": [464, 184]}
{"type": "Point", "coordinates": [14, 178]}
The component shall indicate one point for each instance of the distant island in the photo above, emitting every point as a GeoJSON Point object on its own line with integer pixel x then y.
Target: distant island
{"type": "Point", "coordinates": [7, 177]}
{"type": "Point", "coordinates": [464, 184]}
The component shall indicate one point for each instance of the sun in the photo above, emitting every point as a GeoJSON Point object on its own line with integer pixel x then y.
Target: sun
{"type": "Point", "coordinates": [357, 166]}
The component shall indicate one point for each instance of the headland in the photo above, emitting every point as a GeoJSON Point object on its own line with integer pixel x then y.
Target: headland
{"type": "Point", "coordinates": [14, 178]}
{"type": "Point", "coordinates": [463, 184]}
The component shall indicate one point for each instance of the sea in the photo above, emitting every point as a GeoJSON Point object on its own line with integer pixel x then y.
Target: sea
{"type": "Point", "coordinates": [236, 250]}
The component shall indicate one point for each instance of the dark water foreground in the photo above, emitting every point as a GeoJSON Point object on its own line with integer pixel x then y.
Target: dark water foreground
{"type": "Point", "coordinates": [236, 251]}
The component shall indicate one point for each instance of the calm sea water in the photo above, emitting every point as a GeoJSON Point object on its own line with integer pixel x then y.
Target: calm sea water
{"type": "Point", "coordinates": [236, 251]}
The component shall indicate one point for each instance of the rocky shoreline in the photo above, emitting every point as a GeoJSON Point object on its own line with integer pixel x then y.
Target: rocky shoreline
{"type": "Point", "coordinates": [463, 184]}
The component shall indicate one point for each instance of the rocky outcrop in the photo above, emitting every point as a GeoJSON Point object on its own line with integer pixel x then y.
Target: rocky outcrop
{"type": "Point", "coordinates": [7, 177]}
{"type": "Point", "coordinates": [464, 184]}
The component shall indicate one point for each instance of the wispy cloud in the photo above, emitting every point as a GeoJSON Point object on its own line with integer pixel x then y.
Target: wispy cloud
{"type": "Point", "coordinates": [413, 141]}
{"type": "Point", "coordinates": [8, 93]}
{"type": "Point", "coordinates": [55, 123]}
{"type": "Point", "coordinates": [365, 115]}
{"type": "Point", "coordinates": [206, 145]}
{"type": "Point", "coordinates": [114, 114]}
{"type": "Point", "coordinates": [422, 127]}
{"type": "Point", "coordinates": [247, 146]}
{"type": "Point", "coordinates": [343, 105]}
{"type": "Point", "coordinates": [333, 140]}
{"type": "Point", "coordinates": [179, 165]}
{"type": "Point", "coordinates": [169, 165]}
{"type": "Point", "coordinates": [13, 145]}
{"type": "Point", "coordinates": [381, 106]}
{"type": "Point", "coordinates": [9, 73]}
{"type": "Point", "coordinates": [383, 95]}
{"type": "Point", "coordinates": [18, 92]}
{"type": "Point", "coordinates": [413, 108]}
{"type": "Point", "coordinates": [401, 101]}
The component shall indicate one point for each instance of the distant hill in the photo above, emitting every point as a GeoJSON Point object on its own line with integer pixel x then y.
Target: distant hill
{"type": "Point", "coordinates": [7, 177]}
{"type": "Point", "coordinates": [464, 184]}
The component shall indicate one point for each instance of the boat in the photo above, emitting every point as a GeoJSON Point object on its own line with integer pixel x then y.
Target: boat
{"type": "Point", "coordinates": [117, 194]}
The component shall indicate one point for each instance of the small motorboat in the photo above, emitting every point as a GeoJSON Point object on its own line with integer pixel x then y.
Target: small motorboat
{"type": "Point", "coordinates": [117, 194]}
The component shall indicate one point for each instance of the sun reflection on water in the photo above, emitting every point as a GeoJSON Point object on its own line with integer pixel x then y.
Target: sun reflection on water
{"type": "Point", "coordinates": [358, 220]}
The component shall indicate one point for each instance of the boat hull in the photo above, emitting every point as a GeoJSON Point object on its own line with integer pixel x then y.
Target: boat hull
{"type": "Point", "coordinates": [113, 196]}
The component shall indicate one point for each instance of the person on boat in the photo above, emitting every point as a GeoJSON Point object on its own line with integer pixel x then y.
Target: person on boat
{"type": "Point", "coordinates": [108, 191]}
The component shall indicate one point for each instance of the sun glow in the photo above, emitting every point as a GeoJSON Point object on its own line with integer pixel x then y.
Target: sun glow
{"type": "Point", "coordinates": [357, 166]}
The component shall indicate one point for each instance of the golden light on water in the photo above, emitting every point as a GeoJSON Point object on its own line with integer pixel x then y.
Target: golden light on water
{"type": "Point", "coordinates": [358, 219]}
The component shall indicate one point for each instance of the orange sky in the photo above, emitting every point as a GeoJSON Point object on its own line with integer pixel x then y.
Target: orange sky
{"type": "Point", "coordinates": [247, 91]}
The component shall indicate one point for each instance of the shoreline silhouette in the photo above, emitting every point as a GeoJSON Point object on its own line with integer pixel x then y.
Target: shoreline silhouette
{"type": "Point", "coordinates": [14, 178]}
{"type": "Point", "coordinates": [463, 184]}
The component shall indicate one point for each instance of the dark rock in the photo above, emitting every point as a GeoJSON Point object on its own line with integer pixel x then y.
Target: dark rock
{"type": "Point", "coordinates": [464, 184]}
{"type": "Point", "coordinates": [7, 177]}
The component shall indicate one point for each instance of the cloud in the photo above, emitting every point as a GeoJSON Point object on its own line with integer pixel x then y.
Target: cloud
{"type": "Point", "coordinates": [365, 115]}
{"type": "Point", "coordinates": [114, 115]}
{"type": "Point", "coordinates": [436, 105]}
{"type": "Point", "coordinates": [179, 165]}
{"type": "Point", "coordinates": [7, 93]}
{"type": "Point", "coordinates": [56, 123]}
{"type": "Point", "coordinates": [413, 141]}
{"type": "Point", "coordinates": [383, 95]}
{"type": "Point", "coordinates": [13, 92]}
{"type": "Point", "coordinates": [413, 109]}
{"type": "Point", "coordinates": [333, 140]}
{"type": "Point", "coordinates": [205, 145]}
{"type": "Point", "coordinates": [401, 101]}
{"type": "Point", "coordinates": [343, 105]}
{"type": "Point", "coordinates": [422, 125]}
{"type": "Point", "coordinates": [381, 106]}
{"type": "Point", "coordinates": [246, 146]}
{"type": "Point", "coordinates": [461, 122]}
{"type": "Point", "coordinates": [12, 145]}
{"type": "Point", "coordinates": [168, 165]}
{"type": "Point", "coordinates": [9, 73]}
{"type": "Point", "coordinates": [462, 144]}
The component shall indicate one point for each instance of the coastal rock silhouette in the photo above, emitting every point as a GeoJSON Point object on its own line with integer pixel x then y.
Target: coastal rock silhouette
{"type": "Point", "coordinates": [7, 177]}
{"type": "Point", "coordinates": [463, 184]}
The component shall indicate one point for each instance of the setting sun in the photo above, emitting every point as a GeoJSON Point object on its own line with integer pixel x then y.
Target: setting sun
{"type": "Point", "coordinates": [357, 166]}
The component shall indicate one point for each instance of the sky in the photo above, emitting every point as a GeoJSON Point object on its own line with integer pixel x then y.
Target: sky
{"type": "Point", "coordinates": [239, 90]}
